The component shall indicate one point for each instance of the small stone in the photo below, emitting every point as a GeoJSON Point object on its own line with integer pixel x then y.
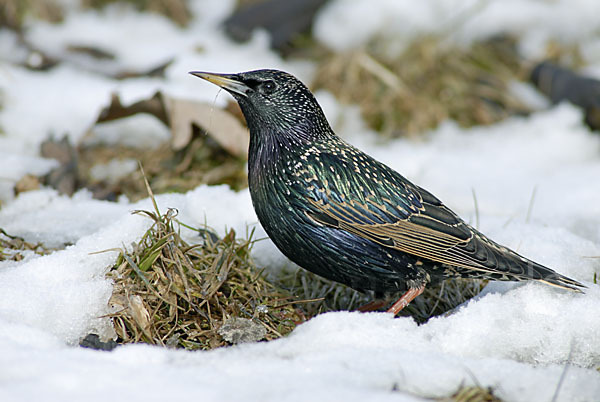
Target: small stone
{"type": "Point", "coordinates": [93, 341]}
{"type": "Point", "coordinates": [241, 330]}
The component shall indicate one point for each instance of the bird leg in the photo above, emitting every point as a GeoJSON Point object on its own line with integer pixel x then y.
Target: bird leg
{"type": "Point", "coordinates": [405, 299]}
{"type": "Point", "coordinates": [373, 305]}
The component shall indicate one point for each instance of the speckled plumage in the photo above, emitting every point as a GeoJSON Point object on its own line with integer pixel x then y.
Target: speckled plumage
{"type": "Point", "coordinates": [341, 214]}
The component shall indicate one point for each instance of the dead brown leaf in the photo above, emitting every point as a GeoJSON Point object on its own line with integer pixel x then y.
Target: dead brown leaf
{"type": "Point", "coordinates": [221, 125]}
{"type": "Point", "coordinates": [180, 115]}
{"type": "Point", "coordinates": [64, 178]}
{"type": "Point", "coordinates": [27, 183]}
{"type": "Point", "coordinates": [116, 110]}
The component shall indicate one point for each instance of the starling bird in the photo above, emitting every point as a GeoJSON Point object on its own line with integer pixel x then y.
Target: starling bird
{"type": "Point", "coordinates": [339, 213]}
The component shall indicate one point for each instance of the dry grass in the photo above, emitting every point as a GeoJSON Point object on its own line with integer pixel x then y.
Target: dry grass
{"type": "Point", "coordinates": [331, 296]}
{"type": "Point", "coordinates": [14, 12]}
{"type": "Point", "coordinates": [202, 161]}
{"type": "Point", "coordinates": [472, 394]}
{"type": "Point", "coordinates": [325, 295]}
{"type": "Point", "coordinates": [196, 296]}
{"type": "Point", "coordinates": [443, 298]}
{"type": "Point", "coordinates": [15, 248]}
{"type": "Point", "coordinates": [426, 84]}
{"type": "Point", "coordinates": [176, 10]}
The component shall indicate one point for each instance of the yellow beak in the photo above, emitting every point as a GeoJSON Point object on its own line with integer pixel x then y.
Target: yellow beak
{"type": "Point", "coordinates": [229, 82]}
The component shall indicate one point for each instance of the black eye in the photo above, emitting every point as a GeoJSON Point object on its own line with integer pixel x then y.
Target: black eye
{"type": "Point", "coordinates": [267, 87]}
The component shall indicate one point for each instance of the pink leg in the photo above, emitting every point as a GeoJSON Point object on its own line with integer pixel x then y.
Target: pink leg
{"type": "Point", "coordinates": [405, 299]}
{"type": "Point", "coordinates": [373, 305]}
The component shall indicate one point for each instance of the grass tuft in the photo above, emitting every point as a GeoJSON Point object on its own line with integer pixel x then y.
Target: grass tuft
{"type": "Point", "coordinates": [176, 10]}
{"type": "Point", "coordinates": [426, 84]}
{"type": "Point", "coordinates": [472, 394]}
{"type": "Point", "coordinates": [13, 13]}
{"type": "Point", "coordinates": [322, 295]}
{"type": "Point", "coordinates": [195, 296]}
{"type": "Point", "coordinates": [15, 248]}
{"type": "Point", "coordinates": [202, 161]}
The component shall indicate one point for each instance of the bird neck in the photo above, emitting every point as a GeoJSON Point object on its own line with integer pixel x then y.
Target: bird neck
{"type": "Point", "coordinates": [265, 152]}
{"type": "Point", "coordinates": [278, 138]}
{"type": "Point", "coordinates": [270, 152]}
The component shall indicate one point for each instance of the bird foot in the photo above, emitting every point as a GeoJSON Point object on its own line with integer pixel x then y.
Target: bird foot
{"type": "Point", "coordinates": [405, 299]}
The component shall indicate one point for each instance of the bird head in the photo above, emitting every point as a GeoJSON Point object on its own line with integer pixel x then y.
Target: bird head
{"type": "Point", "coordinates": [274, 103]}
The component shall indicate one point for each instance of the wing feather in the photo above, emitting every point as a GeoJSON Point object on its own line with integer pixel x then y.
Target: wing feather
{"type": "Point", "coordinates": [384, 207]}
{"type": "Point", "coordinates": [415, 238]}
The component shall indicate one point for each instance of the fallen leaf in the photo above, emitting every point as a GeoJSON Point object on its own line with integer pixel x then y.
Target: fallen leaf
{"type": "Point", "coordinates": [140, 314]}
{"type": "Point", "coordinates": [154, 106]}
{"type": "Point", "coordinates": [27, 183]}
{"type": "Point", "coordinates": [64, 178]}
{"type": "Point", "coordinates": [180, 115]}
{"type": "Point", "coordinates": [221, 125]}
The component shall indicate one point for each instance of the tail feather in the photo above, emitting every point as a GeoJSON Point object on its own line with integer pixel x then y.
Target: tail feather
{"type": "Point", "coordinates": [504, 264]}
{"type": "Point", "coordinates": [563, 282]}
{"type": "Point", "coordinates": [525, 269]}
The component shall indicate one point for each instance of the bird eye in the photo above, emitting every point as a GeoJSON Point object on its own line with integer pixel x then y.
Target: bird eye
{"type": "Point", "coordinates": [267, 87]}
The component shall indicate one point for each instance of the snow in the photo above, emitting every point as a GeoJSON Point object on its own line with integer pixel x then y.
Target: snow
{"type": "Point", "coordinates": [138, 131]}
{"type": "Point", "coordinates": [535, 181]}
{"type": "Point", "coordinates": [396, 23]}
{"type": "Point", "coordinates": [114, 170]}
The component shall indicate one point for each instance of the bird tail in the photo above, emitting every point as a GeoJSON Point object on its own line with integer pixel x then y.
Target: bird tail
{"type": "Point", "coordinates": [540, 273]}
{"type": "Point", "coordinates": [521, 268]}
{"type": "Point", "coordinates": [563, 282]}
{"type": "Point", "coordinates": [508, 265]}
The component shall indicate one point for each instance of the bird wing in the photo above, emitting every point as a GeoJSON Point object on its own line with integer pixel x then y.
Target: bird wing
{"type": "Point", "coordinates": [389, 210]}
{"type": "Point", "coordinates": [353, 192]}
{"type": "Point", "coordinates": [433, 232]}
